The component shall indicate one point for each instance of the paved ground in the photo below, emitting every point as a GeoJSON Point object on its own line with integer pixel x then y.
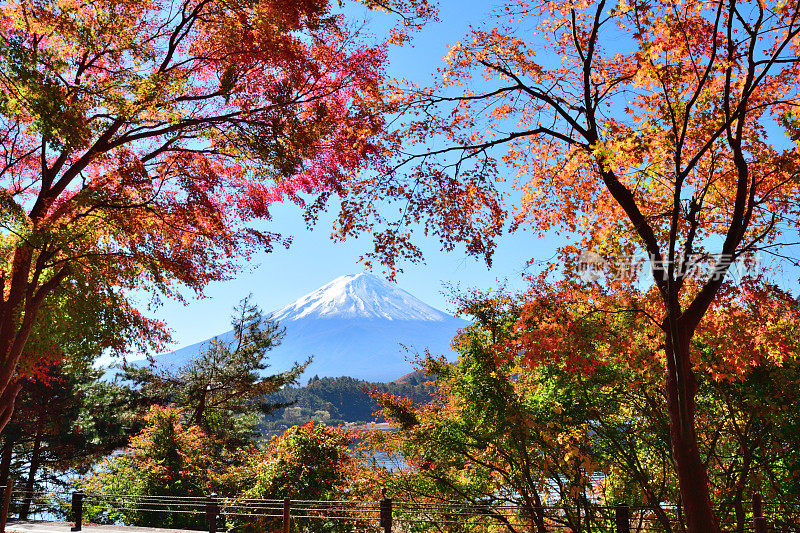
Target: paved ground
{"type": "Point", "coordinates": [41, 526]}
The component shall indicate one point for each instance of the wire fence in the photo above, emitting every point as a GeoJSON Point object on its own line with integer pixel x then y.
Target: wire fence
{"type": "Point", "coordinates": [232, 514]}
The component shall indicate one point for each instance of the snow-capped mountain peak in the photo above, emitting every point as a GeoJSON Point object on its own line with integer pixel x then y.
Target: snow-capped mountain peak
{"type": "Point", "coordinates": [358, 325]}
{"type": "Point", "coordinates": [360, 296]}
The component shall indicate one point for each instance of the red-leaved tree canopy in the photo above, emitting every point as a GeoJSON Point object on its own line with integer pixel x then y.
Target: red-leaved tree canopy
{"type": "Point", "coordinates": [142, 140]}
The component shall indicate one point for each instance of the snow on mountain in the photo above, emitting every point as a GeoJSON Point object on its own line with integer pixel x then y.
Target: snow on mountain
{"type": "Point", "coordinates": [357, 325]}
{"type": "Point", "coordinates": [360, 296]}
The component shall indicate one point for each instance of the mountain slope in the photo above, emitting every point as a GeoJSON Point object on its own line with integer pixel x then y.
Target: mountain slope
{"type": "Point", "coordinates": [360, 296]}
{"type": "Point", "coordinates": [357, 325]}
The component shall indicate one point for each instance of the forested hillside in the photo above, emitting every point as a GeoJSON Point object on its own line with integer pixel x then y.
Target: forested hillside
{"type": "Point", "coordinates": [340, 400]}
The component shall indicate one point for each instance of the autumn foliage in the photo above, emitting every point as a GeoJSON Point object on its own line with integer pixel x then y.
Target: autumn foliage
{"type": "Point", "coordinates": [649, 129]}
{"type": "Point", "coordinates": [142, 142]}
{"type": "Point", "coordinates": [543, 426]}
{"type": "Point", "coordinates": [167, 458]}
{"type": "Point", "coordinates": [172, 458]}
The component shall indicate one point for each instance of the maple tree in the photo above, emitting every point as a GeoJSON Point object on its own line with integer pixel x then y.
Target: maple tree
{"type": "Point", "coordinates": [167, 458]}
{"type": "Point", "coordinates": [142, 142]}
{"type": "Point", "coordinates": [750, 435]}
{"type": "Point", "coordinates": [744, 353]}
{"type": "Point", "coordinates": [559, 446]}
{"type": "Point", "coordinates": [645, 127]}
{"type": "Point", "coordinates": [172, 458]}
{"type": "Point", "coordinates": [563, 445]}
{"type": "Point", "coordinates": [492, 437]}
{"type": "Point", "coordinates": [309, 462]}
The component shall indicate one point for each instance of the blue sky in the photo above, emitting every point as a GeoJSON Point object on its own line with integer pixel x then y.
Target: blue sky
{"type": "Point", "coordinates": [278, 278]}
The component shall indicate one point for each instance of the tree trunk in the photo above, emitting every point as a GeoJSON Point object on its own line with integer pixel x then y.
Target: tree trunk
{"type": "Point", "coordinates": [18, 310]}
{"type": "Point", "coordinates": [747, 461]}
{"type": "Point", "coordinates": [692, 475]}
{"type": "Point", "coordinates": [14, 330]}
{"type": "Point", "coordinates": [7, 400]}
{"type": "Point", "coordinates": [197, 418]}
{"type": "Point", "coordinates": [29, 484]}
{"type": "Point", "coordinates": [5, 458]}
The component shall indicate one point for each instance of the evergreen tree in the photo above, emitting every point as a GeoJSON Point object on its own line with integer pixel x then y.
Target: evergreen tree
{"type": "Point", "coordinates": [223, 390]}
{"type": "Point", "coordinates": [64, 422]}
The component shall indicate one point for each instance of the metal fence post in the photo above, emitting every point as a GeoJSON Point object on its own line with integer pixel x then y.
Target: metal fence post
{"type": "Point", "coordinates": [287, 511]}
{"type": "Point", "coordinates": [212, 510]}
{"type": "Point", "coordinates": [622, 518]}
{"type": "Point", "coordinates": [77, 509]}
{"type": "Point", "coordinates": [386, 514]}
{"type": "Point", "coordinates": [759, 522]}
{"type": "Point", "coordinates": [6, 502]}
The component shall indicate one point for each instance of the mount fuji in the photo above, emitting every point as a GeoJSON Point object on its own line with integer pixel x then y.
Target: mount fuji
{"type": "Point", "coordinates": [357, 325]}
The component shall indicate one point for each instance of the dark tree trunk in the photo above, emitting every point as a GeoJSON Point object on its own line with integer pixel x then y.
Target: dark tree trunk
{"type": "Point", "coordinates": [692, 475]}
{"type": "Point", "coordinates": [30, 483]}
{"type": "Point", "coordinates": [198, 417]}
{"type": "Point", "coordinates": [7, 400]}
{"type": "Point", "coordinates": [5, 458]}
{"type": "Point", "coordinates": [747, 461]}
